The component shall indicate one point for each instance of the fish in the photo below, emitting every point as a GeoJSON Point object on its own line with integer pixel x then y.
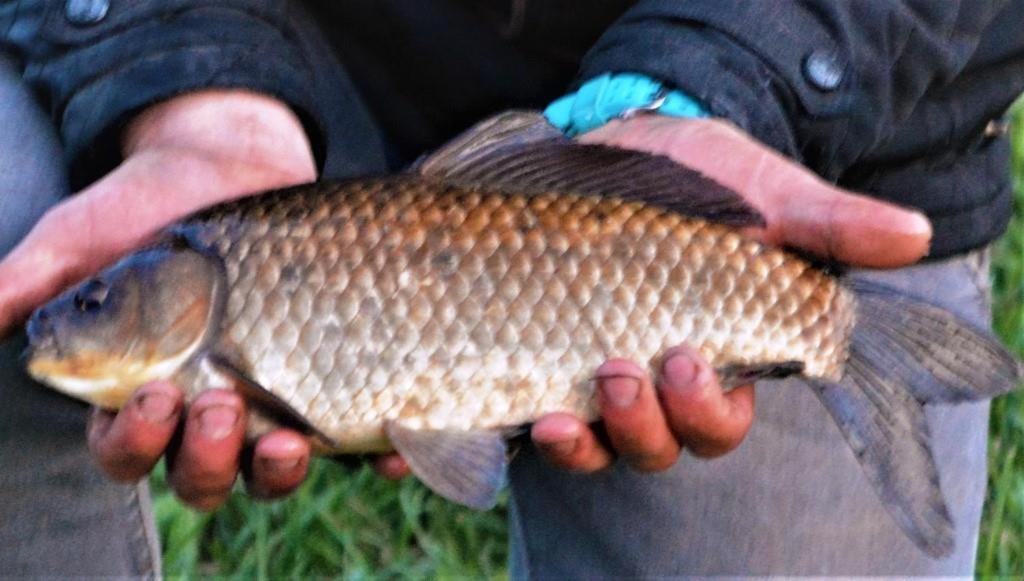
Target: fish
{"type": "Point", "coordinates": [437, 311]}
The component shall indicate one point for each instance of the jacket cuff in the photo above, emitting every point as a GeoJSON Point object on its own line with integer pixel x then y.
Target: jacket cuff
{"type": "Point", "coordinates": [99, 77]}
{"type": "Point", "coordinates": [96, 114]}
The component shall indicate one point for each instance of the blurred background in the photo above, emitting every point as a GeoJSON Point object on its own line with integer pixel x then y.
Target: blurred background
{"type": "Point", "coordinates": [351, 522]}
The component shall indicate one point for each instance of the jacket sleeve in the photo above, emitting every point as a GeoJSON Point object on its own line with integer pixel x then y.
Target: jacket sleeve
{"type": "Point", "coordinates": [95, 73]}
{"type": "Point", "coordinates": [820, 80]}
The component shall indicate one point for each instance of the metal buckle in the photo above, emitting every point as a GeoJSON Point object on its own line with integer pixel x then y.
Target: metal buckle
{"type": "Point", "coordinates": [652, 107]}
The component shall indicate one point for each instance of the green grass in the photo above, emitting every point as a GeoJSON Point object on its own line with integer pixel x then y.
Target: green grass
{"type": "Point", "coordinates": [341, 521]}
{"type": "Point", "coordinates": [1001, 551]}
{"type": "Point", "coordinates": [350, 522]}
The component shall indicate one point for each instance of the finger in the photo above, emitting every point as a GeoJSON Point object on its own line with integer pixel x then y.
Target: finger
{"type": "Point", "coordinates": [280, 461]}
{"type": "Point", "coordinates": [707, 421]}
{"type": "Point", "coordinates": [568, 443]}
{"type": "Point", "coordinates": [391, 466]}
{"type": "Point", "coordinates": [127, 445]}
{"type": "Point", "coordinates": [801, 209]}
{"type": "Point", "coordinates": [633, 417]}
{"type": "Point", "coordinates": [204, 467]}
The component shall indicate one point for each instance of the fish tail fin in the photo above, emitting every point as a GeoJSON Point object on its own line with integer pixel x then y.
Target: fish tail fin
{"type": "Point", "coordinates": [905, 353]}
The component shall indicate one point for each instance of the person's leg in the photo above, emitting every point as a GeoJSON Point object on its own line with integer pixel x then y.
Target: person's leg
{"type": "Point", "coordinates": [790, 500]}
{"type": "Point", "coordinates": [58, 516]}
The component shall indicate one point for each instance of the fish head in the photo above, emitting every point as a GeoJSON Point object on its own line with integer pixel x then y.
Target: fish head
{"type": "Point", "coordinates": [141, 320]}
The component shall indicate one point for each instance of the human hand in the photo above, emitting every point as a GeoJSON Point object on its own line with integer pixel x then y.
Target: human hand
{"type": "Point", "coordinates": [185, 154]}
{"type": "Point", "coordinates": [203, 462]}
{"type": "Point", "coordinates": [689, 409]}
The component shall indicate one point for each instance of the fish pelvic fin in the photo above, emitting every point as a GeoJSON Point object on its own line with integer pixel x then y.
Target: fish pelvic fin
{"type": "Point", "coordinates": [467, 467]}
{"type": "Point", "coordinates": [520, 152]}
{"type": "Point", "coordinates": [903, 354]}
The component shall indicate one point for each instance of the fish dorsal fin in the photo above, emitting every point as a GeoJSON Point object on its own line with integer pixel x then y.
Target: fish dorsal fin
{"type": "Point", "coordinates": [520, 152]}
{"type": "Point", "coordinates": [467, 467]}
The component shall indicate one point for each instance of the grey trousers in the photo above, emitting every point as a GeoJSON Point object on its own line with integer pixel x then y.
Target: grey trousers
{"type": "Point", "coordinates": [58, 515]}
{"type": "Point", "coordinates": [790, 500]}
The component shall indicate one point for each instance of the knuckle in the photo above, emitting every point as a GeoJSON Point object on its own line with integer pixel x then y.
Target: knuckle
{"type": "Point", "coordinates": [204, 503]}
{"type": "Point", "coordinates": [685, 424]}
{"type": "Point", "coordinates": [120, 462]}
{"type": "Point", "coordinates": [624, 435]}
{"type": "Point", "coordinates": [210, 478]}
{"type": "Point", "coordinates": [655, 463]}
{"type": "Point", "coordinates": [197, 491]}
{"type": "Point", "coordinates": [119, 472]}
{"type": "Point", "coordinates": [718, 444]}
{"type": "Point", "coordinates": [592, 466]}
{"type": "Point", "coordinates": [133, 465]}
{"type": "Point", "coordinates": [582, 459]}
{"type": "Point", "coordinates": [559, 458]}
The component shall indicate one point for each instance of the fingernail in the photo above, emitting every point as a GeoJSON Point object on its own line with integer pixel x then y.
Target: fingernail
{"type": "Point", "coordinates": [681, 371]}
{"type": "Point", "coordinates": [282, 464]}
{"type": "Point", "coordinates": [217, 422]}
{"type": "Point", "coordinates": [283, 455]}
{"type": "Point", "coordinates": [919, 224]}
{"type": "Point", "coordinates": [620, 390]}
{"type": "Point", "coordinates": [157, 408]}
{"type": "Point", "coordinates": [560, 448]}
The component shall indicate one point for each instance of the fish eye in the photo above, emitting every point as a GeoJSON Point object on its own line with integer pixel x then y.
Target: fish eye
{"type": "Point", "coordinates": [90, 296]}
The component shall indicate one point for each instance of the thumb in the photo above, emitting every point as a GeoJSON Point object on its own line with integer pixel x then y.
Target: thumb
{"type": "Point", "coordinates": [837, 225]}
{"type": "Point", "coordinates": [802, 210]}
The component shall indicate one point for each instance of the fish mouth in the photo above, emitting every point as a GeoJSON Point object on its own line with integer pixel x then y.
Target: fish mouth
{"type": "Point", "coordinates": [42, 338]}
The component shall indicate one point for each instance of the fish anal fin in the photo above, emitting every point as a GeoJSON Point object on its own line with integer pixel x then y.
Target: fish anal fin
{"type": "Point", "coordinates": [467, 467]}
{"type": "Point", "coordinates": [730, 376]}
{"type": "Point", "coordinates": [519, 152]}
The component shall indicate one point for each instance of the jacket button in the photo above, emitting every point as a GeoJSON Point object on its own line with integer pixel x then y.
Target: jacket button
{"type": "Point", "coordinates": [84, 12]}
{"type": "Point", "coordinates": [823, 70]}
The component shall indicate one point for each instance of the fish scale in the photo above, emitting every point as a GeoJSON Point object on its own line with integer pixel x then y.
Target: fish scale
{"type": "Point", "coordinates": [466, 309]}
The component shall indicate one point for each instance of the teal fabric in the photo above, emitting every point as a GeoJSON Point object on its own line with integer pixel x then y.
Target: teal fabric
{"type": "Point", "coordinates": [609, 96]}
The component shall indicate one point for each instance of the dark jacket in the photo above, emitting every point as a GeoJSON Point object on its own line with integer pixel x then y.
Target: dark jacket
{"type": "Point", "coordinates": [888, 97]}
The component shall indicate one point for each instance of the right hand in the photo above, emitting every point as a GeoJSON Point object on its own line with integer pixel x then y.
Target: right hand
{"type": "Point", "coordinates": [180, 156]}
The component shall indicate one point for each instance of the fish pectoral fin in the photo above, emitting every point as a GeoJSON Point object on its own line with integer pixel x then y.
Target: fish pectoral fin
{"type": "Point", "coordinates": [467, 467]}
{"type": "Point", "coordinates": [731, 376]}
{"type": "Point", "coordinates": [263, 401]}
{"type": "Point", "coordinates": [520, 152]}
